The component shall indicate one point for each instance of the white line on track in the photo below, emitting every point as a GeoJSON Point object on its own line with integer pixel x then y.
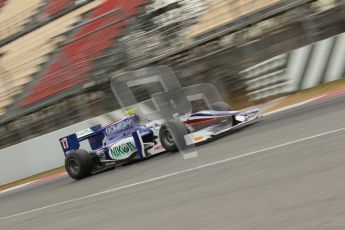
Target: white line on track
{"type": "Point", "coordinates": [327, 95]}
{"type": "Point", "coordinates": [42, 180]}
{"type": "Point", "coordinates": [293, 106]}
{"type": "Point", "coordinates": [16, 187]}
{"type": "Point", "coordinates": [174, 174]}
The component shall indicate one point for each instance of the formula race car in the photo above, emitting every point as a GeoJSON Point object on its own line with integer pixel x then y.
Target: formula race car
{"type": "Point", "coordinates": [131, 138]}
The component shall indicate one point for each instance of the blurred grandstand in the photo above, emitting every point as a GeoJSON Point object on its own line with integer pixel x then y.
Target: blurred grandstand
{"type": "Point", "coordinates": [56, 57]}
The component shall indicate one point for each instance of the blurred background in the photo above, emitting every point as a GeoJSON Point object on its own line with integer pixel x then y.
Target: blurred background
{"type": "Point", "coordinates": [57, 56]}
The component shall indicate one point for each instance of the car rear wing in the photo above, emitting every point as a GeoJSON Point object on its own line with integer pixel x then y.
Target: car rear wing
{"type": "Point", "coordinates": [93, 134]}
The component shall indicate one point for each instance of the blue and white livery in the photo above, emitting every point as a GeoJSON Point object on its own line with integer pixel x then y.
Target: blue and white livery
{"type": "Point", "coordinates": [130, 138]}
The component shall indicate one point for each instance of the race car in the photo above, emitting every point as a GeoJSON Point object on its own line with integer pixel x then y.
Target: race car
{"type": "Point", "coordinates": [133, 138]}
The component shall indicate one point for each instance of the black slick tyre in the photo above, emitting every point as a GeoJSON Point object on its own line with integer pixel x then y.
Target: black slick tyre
{"type": "Point", "coordinates": [79, 164]}
{"type": "Point", "coordinates": [173, 132]}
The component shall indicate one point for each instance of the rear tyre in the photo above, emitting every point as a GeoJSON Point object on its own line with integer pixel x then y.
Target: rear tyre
{"type": "Point", "coordinates": [79, 164]}
{"type": "Point", "coordinates": [173, 132]}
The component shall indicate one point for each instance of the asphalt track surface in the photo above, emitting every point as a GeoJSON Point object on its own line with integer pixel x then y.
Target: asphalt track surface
{"type": "Point", "coordinates": [285, 172]}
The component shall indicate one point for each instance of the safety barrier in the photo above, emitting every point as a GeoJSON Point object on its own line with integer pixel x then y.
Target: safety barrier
{"type": "Point", "coordinates": [299, 69]}
{"type": "Point", "coordinates": [267, 78]}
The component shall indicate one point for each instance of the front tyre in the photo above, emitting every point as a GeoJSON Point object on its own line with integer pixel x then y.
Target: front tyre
{"type": "Point", "coordinates": [79, 164]}
{"type": "Point", "coordinates": [173, 132]}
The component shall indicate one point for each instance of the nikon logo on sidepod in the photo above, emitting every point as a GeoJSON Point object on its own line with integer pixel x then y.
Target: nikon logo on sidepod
{"type": "Point", "coordinates": [123, 149]}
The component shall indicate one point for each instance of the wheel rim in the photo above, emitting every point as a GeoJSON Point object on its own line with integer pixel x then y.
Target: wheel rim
{"type": "Point", "coordinates": [73, 166]}
{"type": "Point", "coordinates": [167, 138]}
